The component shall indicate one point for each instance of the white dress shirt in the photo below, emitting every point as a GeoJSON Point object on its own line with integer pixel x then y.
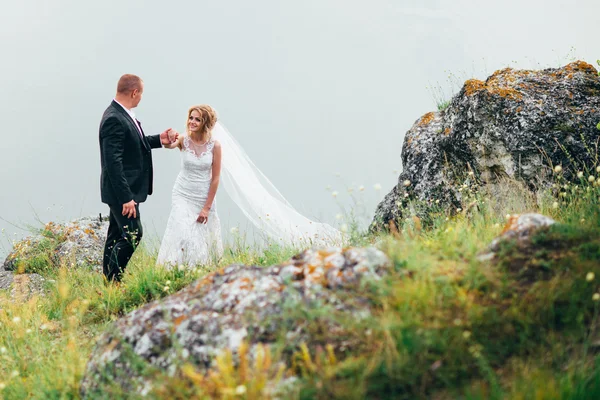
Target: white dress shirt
{"type": "Point", "coordinates": [132, 116]}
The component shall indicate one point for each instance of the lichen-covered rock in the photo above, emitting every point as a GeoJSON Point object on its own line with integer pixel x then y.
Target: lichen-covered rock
{"type": "Point", "coordinates": [22, 286]}
{"type": "Point", "coordinates": [517, 125]}
{"type": "Point", "coordinates": [83, 242]}
{"type": "Point", "coordinates": [76, 243]}
{"type": "Point", "coordinates": [519, 227]}
{"type": "Point", "coordinates": [6, 279]}
{"type": "Point", "coordinates": [238, 304]}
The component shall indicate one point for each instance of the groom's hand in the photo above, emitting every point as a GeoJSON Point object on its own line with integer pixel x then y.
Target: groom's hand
{"type": "Point", "coordinates": [168, 137]}
{"type": "Point", "coordinates": [129, 209]}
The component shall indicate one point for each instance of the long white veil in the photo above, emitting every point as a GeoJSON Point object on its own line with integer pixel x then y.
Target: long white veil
{"type": "Point", "coordinates": [262, 203]}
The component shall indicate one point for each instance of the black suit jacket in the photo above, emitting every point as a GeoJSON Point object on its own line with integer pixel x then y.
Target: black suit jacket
{"type": "Point", "coordinates": [125, 157]}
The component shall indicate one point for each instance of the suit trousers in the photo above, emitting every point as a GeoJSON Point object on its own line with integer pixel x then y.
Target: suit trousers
{"type": "Point", "coordinates": [124, 235]}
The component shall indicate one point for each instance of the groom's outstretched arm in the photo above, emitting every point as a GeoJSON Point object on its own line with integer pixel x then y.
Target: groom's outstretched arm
{"type": "Point", "coordinates": [162, 140]}
{"type": "Point", "coordinates": [154, 141]}
{"type": "Point", "coordinates": [112, 136]}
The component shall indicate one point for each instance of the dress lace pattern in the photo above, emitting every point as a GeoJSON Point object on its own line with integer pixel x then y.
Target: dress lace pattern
{"type": "Point", "coordinates": [187, 242]}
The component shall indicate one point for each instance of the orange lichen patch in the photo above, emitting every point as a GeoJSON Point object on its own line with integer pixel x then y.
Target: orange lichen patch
{"type": "Point", "coordinates": [447, 131]}
{"type": "Point", "coordinates": [426, 119]}
{"type": "Point", "coordinates": [207, 280]}
{"type": "Point", "coordinates": [502, 90]}
{"type": "Point", "coordinates": [511, 223]}
{"type": "Point", "coordinates": [581, 66]}
{"type": "Point", "coordinates": [246, 284]}
{"type": "Point", "coordinates": [499, 84]}
{"type": "Point", "coordinates": [519, 109]}
{"type": "Point", "coordinates": [111, 346]}
{"type": "Point", "coordinates": [473, 85]}
{"type": "Point", "coordinates": [177, 321]}
{"type": "Point", "coordinates": [325, 253]}
{"type": "Point", "coordinates": [501, 72]}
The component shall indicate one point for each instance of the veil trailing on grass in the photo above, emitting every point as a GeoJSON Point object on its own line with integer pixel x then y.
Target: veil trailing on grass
{"type": "Point", "coordinates": [262, 203]}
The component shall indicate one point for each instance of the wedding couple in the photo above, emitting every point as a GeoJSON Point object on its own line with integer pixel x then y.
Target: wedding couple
{"type": "Point", "coordinates": [208, 152]}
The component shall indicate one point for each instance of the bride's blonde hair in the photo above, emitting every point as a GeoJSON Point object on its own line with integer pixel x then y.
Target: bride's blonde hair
{"type": "Point", "coordinates": [208, 119]}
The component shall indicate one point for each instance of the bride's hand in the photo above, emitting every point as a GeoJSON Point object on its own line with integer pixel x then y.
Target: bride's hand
{"type": "Point", "coordinates": [203, 217]}
{"type": "Point", "coordinates": [173, 135]}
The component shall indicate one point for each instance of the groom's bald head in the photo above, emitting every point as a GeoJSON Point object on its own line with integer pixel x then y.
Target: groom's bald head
{"type": "Point", "coordinates": [128, 83]}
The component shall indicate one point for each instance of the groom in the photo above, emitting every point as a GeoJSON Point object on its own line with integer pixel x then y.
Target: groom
{"type": "Point", "coordinates": [126, 179]}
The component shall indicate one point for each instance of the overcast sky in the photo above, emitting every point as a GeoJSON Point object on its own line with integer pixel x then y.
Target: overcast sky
{"type": "Point", "coordinates": [310, 88]}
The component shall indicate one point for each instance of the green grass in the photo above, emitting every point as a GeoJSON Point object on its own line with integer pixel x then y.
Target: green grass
{"type": "Point", "coordinates": [446, 326]}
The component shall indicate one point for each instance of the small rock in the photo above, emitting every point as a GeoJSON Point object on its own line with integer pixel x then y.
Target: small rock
{"type": "Point", "coordinates": [519, 227]}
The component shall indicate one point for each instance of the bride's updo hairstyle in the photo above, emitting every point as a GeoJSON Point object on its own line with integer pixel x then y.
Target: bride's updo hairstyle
{"type": "Point", "coordinates": [208, 119]}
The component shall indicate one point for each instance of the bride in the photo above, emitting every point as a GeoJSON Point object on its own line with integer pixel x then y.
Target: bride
{"type": "Point", "coordinates": [193, 232]}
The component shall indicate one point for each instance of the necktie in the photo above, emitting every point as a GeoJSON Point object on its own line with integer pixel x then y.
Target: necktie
{"type": "Point", "coordinates": [140, 126]}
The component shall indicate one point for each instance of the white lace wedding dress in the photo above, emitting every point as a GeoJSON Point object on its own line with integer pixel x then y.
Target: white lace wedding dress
{"type": "Point", "coordinates": [187, 242]}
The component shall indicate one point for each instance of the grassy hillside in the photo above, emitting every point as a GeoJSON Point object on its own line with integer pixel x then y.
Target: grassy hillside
{"type": "Point", "coordinates": [447, 325]}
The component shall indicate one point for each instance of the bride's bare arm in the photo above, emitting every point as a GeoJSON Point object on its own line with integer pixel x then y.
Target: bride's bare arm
{"type": "Point", "coordinates": [214, 183]}
{"type": "Point", "coordinates": [177, 143]}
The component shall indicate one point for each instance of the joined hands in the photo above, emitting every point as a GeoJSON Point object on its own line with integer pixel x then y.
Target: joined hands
{"type": "Point", "coordinates": [169, 137]}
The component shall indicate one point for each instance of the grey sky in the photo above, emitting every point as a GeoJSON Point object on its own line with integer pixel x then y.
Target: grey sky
{"type": "Point", "coordinates": [309, 88]}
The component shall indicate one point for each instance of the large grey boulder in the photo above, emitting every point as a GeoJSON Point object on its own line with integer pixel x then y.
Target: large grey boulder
{"type": "Point", "coordinates": [239, 304]}
{"type": "Point", "coordinates": [518, 124]}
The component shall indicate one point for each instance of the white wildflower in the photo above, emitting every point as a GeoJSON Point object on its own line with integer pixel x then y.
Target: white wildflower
{"type": "Point", "coordinates": [377, 186]}
{"type": "Point", "coordinates": [406, 183]}
{"type": "Point", "coordinates": [558, 169]}
{"type": "Point", "coordinates": [241, 389]}
{"type": "Point", "coordinates": [334, 193]}
{"type": "Point", "coordinates": [590, 276]}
